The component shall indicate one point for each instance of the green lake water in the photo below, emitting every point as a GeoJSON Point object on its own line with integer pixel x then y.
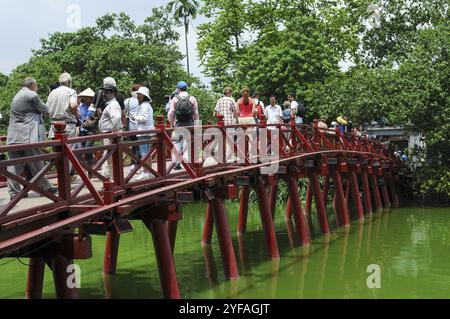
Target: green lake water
{"type": "Point", "coordinates": [410, 245]}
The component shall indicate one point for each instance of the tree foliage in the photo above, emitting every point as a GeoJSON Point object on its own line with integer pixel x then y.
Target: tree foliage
{"type": "Point", "coordinates": [116, 47]}
{"type": "Point", "coordinates": [396, 54]}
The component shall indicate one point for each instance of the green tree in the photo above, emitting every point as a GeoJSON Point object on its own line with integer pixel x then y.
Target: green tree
{"type": "Point", "coordinates": [273, 46]}
{"type": "Point", "coordinates": [3, 79]}
{"type": "Point", "coordinates": [184, 11]}
{"type": "Point", "coordinates": [115, 47]}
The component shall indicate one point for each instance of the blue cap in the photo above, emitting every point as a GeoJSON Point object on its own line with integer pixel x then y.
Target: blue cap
{"type": "Point", "coordinates": [182, 85]}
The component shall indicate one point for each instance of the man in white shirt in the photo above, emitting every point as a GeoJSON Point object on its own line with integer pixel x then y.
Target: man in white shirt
{"type": "Point", "coordinates": [111, 121]}
{"type": "Point", "coordinates": [273, 113]}
{"type": "Point", "coordinates": [294, 108]}
{"type": "Point", "coordinates": [131, 108]}
{"type": "Point", "coordinates": [63, 106]}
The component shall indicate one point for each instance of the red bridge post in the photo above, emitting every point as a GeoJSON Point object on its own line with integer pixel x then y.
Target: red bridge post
{"type": "Point", "coordinates": [266, 218]}
{"type": "Point", "coordinates": [59, 266]}
{"type": "Point", "coordinates": [340, 198]}
{"type": "Point", "coordinates": [112, 236]}
{"type": "Point", "coordinates": [320, 206]}
{"type": "Point", "coordinates": [208, 226]}
{"type": "Point", "coordinates": [35, 278]}
{"type": "Point", "coordinates": [243, 209]}
{"type": "Point", "coordinates": [224, 238]}
{"type": "Point", "coordinates": [356, 194]}
{"type": "Point", "coordinates": [393, 191]}
{"type": "Point", "coordinates": [273, 193]}
{"type": "Point", "coordinates": [301, 225]}
{"type": "Point", "coordinates": [62, 165]}
{"type": "Point", "coordinates": [164, 257]}
{"type": "Point", "coordinates": [366, 189]}
{"type": "Point", "coordinates": [376, 191]}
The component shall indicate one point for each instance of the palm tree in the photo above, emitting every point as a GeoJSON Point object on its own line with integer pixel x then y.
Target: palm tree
{"type": "Point", "coordinates": [183, 11]}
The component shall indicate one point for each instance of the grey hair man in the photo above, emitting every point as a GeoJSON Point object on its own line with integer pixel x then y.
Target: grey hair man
{"type": "Point", "coordinates": [26, 126]}
{"type": "Point", "coordinates": [63, 106]}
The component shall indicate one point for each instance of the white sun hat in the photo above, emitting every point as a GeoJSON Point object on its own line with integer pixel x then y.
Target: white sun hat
{"type": "Point", "coordinates": [145, 92]}
{"type": "Point", "coordinates": [87, 93]}
{"type": "Point", "coordinates": [109, 81]}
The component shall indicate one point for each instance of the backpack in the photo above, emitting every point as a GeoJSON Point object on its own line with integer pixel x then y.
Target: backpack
{"type": "Point", "coordinates": [286, 116]}
{"type": "Point", "coordinates": [301, 110]}
{"type": "Point", "coordinates": [183, 109]}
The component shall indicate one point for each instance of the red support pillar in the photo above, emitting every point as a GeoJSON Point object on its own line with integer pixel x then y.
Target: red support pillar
{"type": "Point", "coordinates": [288, 213]}
{"type": "Point", "coordinates": [366, 189]}
{"type": "Point", "coordinates": [356, 195]}
{"type": "Point", "coordinates": [208, 226]}
{"type": "Point", "coordinates": [162, 146]}
{"type": "Point", "coordinates": [273, 198]}
{"type": "Point", "coordinates": [340, 199]}
{"type": "Point", "coordinates": [394, 193]}
{"type": "Point", "coordinates": [243, 209]}
{"type": "Point", "coordinates": [224, 238]}
{"type": "Point", "coordinates": [62, 165]}
{"type": "Point", "coordinates": [35, 279]}
{"type": "Point", "coordinates": [59, 265]}
{"type": "Point", "coordinates": [320, 206]}
{"type": "Point", "coordinates": [384, 189]}
{"type": "Point", "coordinates": [112, 237]}
{"type": "Point", "coordinates": [266, 218]}
{"type": "Point", "coordinates": [164, 257]}
{"type": "Point", "coordinates": [172, 229]}
{"type": "Point", "coordinates": [111, 253]}
{"type": "Point", "coordinates": [376, 192]}
{"type": "Point", "coordinates": [308, 202]}
{"type": "Point", "coordinates": [301, 226]}
{"type": "Point", "coordinates": [326, 186]}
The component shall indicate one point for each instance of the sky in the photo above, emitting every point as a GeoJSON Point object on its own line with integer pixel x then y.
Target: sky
{"type": "Point", "coordinates": [24, 22]}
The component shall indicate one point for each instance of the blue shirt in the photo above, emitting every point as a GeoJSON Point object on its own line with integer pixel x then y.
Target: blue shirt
{"type": "Point", "coordinates": [84, 114]}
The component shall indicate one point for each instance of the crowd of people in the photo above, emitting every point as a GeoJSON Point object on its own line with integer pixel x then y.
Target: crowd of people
{"type": "Point", "coordinates": [106, 111]}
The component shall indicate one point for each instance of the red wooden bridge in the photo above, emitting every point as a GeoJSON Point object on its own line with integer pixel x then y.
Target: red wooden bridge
{"type": "Point", "coordinates": [55, 229]}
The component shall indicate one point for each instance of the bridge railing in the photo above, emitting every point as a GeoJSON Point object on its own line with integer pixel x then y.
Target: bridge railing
{"type": "Point", "coordinates": [206, 152]}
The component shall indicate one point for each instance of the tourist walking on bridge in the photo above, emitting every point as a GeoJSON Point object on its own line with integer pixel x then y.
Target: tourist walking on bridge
{"type": "Point", "coordinates": [246, 108]}
{"type": "Point", "coordinates": [88, 125]}
{"type": "Point", "coordinates": [226, 106]}
{"type": "Point", "coordinates": [144, 120]}
{"type": "Point", "coordinates": [183, 112]}
{"type": "Point", "coordinates": [273, 112]}
{"type": "Point", "coordinates": [298, 110]}
{"type": "Point", "coordinates": [131, 107]}
{"type": "Point", "coordinates": [110, 122]}
{"type": "Point", "coordinates": [26, 125]}
{"type": "Point", "coordinates": [63, 106]}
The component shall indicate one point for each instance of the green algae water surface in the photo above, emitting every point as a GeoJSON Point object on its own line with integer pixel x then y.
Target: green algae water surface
{"type": "Point", "coordinates": [408, 249]}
